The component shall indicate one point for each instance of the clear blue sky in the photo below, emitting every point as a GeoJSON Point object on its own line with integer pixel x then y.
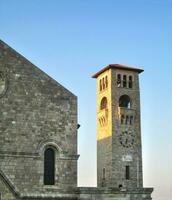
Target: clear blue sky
{"type": "Point", "coordinates": [72, 39]}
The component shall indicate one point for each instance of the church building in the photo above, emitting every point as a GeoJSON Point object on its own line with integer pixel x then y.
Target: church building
{"type": "Point", "coordinates": [38, 134]}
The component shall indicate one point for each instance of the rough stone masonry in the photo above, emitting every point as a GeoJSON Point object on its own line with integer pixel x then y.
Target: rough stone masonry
{"type": "Point", "coordinates": [38, 138]}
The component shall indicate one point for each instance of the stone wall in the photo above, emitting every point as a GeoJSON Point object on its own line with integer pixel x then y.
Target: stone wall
{"type": "Point", "coordinates": [104, 131]}
{"type": "Point", "coordinates": [36, 113]}
{"type": "Point", "coordinates": [80, 194]}
{"type": "Point", "coordinates": [124, 155]}
{"type": "Point", "coordinates": [114, 194]}
{"type": "Point", "coordinates": [111, 154]}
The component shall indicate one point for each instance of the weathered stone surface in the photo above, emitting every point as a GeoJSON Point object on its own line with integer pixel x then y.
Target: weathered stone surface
{"type": "Point", "coordinates": [38, 113]}
{"type": "Point", "coordinates": [112, 149]}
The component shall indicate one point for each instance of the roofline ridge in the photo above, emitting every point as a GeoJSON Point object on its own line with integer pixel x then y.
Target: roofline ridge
{"type": "Point", "coordinates": [117, 66]}
{"type": "Point", "coordinates": [8, 182]}
{"type": "Point", "coordinates": [37, 68]}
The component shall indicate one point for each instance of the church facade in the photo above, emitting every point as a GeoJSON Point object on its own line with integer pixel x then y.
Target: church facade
{"type": "Point", "coordinates": [38, 134]}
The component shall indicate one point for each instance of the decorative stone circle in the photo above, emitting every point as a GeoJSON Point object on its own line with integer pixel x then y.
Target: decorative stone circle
{"type": "Point", "coordinates": [3, 83]}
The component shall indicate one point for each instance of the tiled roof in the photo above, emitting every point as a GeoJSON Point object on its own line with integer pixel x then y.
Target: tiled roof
{"type": "Point", "coordinates": [117, 66]}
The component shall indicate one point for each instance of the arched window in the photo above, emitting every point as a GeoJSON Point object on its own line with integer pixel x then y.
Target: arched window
{"type": "Point", "coordinates": [124, 101]}
{"type": "Point", "coordinates": [124, 81]}
{"type": "Point", "coordinates": [119, 80]}
{"type": "Point", "coordinates": [130, 83]}
{"type": "Point", "coordinates": [103, 104]}
{"type": "Point", "coordinates": [49, 167]}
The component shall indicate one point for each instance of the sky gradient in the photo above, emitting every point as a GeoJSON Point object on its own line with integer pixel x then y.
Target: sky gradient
{"type": "Point", "coordinates": [72, 39]}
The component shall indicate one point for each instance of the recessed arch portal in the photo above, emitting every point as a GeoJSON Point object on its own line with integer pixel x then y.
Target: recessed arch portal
{"type": "Point", "coordinates": [103, 104]}
{"type": "Point", "coordinates": [125, 101]}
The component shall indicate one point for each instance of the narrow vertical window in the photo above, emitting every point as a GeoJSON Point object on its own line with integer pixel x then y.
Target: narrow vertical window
{"type": "Point", "coordinates": [130, 83]}
{"type": "Point", "coordinates": [127, 119]}
{"type": "Point", "coordinates": [49, 167]}
{"type": "Point", "coordinates": [124, 81]}
{"type": "Point", "coordinates": [104, 174]}
{"type": "Point", "coordinates": [122, 119]}
{"type": "Point", "coordinates": [106, 81]}
{"type": "Point", "coordinates": [103, 83]}
{"type": "Point", "coordinates": [100, 84]}
{"type": "Point", "coordinates": [131, 120]}
{"type": "Point", "coordinates": [127, 172]}
{"type": "Point", "coordinates": [119, 80]}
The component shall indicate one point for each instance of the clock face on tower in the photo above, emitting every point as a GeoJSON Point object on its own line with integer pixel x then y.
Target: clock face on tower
{"type": "Point", "coordinates": [127, 139]}
{"type": "Point", "coordinates": [2, 84]}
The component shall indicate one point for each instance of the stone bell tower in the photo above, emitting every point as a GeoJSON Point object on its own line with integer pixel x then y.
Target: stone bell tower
{"type": "Point", "coordinates": [119, 152]}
